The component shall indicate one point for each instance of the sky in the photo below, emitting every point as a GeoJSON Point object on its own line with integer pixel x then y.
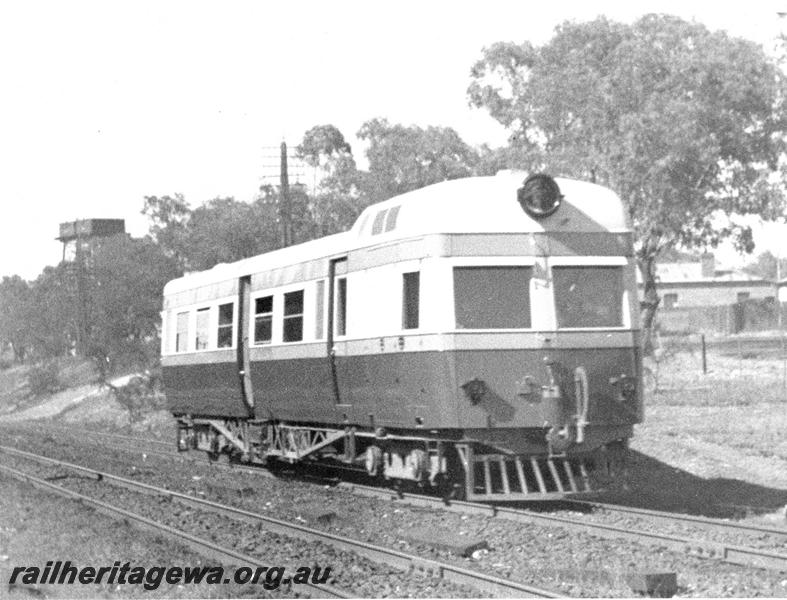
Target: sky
{"type": "Point", "coordinates": [103, 103]}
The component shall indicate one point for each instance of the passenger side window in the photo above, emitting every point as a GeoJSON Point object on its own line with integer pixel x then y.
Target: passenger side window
{"type": "Point", "coordinates": [203, 327]}
{"type": "Point", "coordinates": [293, 316]}
{"type": "Point", "coordinates": [182, 332]}
{"type": "Point", "coordinates": [263, 320]}
{"type": "Point", "coordinates": [225, 325]}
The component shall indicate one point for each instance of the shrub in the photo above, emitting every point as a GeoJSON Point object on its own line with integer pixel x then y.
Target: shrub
{"type": "Point", "coordinates": [44, 378]}
{"type": "Point", "coordinates": [140, 396]}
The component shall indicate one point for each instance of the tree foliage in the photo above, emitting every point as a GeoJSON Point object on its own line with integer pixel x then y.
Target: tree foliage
{"type": "Point", "coordinates": [225, 230]}
{"type": "Point", "coordinates": [15, 299]}
{"type": "Point", "coordinates": [107, 303]}
{"type": "Point", "coordinates": [126, 278]}
{"type": "Point", "coordinates": [322, 144]}
{"type": "Point", "coordinates": [220, 230]}
{"type": "Point", "coordinates": [686, 124]}
{"type": "Point", "coordinates": [402, 159]}
{"type": "Point", "coordinates": [336, 201]}
{"type": "Point", "coordinates": [120, 300]}
{"type": "Point", "coordinates": [53, 312]}
{"type": "Point", "coordinates": [767, 266]}
{"type": "Point", "coordinates": [168, 217]}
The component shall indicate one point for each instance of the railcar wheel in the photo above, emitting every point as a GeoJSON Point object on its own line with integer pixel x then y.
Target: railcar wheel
{"type": "Point", "coordinates": [453, 482]}
{"type": "Point", "coordinates": [458, 491]}
{"type": "Point", "coordinates": [214, 452]}
{"type": "Point", "coordinates": [373, 461]}
{"type": "Point", "coordinates": [418, 463]}
{"type": "Point", "coordinates": [449, 488]}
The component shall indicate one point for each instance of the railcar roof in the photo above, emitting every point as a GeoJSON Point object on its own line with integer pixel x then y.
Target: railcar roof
{"type": "Point", "coordinates": [470, 205]}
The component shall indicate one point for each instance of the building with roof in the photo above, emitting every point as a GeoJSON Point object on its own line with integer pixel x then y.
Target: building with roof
{"type": "Point", "coordinates": [690, 284]}
{"type": "Point", "coordinates": [781, 287]}
{"type": "Point", "coordinates": [700, 296]}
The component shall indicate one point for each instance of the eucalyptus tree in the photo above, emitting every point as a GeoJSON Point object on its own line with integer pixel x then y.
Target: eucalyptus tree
{"type": "Point", "coordinates": [335, 202]}
{"type": "Point", "coordinates": [686, 124]}
{"type": "Point", "coordinates": [404, 158]}
{"type": "Point", "coordinates": [15, 316]}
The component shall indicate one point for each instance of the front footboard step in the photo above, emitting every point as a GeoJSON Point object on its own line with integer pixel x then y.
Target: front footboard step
{"type": "Point", "coordinates": [503, 477]}
{"type": "Point", "coordinates": [459, 545]}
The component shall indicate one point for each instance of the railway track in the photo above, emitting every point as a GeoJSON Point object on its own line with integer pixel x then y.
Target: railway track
{"type": "Point", "coordinates": [205, 547]}
{"type": "Point", "coordinates": [400, 560]}
{"type": "Point", "coordinates": [634, 518]}
{"type": "Point", "coordinates": [731, 553]}
{"type": "Point", "coordinates": [162, 445]}
{"type": "Point", "coordinates": [727, 552]}
{"type": "Point", "coordinates": [699, 522]}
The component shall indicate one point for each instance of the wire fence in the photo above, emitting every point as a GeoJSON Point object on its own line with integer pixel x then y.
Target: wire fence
{"type": "Point", "coordinates": [298, 171]}
{"type": "Point", "coordinates": [718, 370]}
{"type": "Point", "coordinates": [748, 316]}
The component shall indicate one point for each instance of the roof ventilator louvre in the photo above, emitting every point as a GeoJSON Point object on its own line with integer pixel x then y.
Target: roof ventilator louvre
{"type": "Point", "coordinates": [385, 220]}
{"type": "Point", "coordinates": [390, 221]}
{"type": "Point", "coordinates": [379, 219]}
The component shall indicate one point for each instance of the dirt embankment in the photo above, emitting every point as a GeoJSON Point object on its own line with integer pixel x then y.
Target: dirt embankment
{"type": "Point", "coordinates": [129, 402]}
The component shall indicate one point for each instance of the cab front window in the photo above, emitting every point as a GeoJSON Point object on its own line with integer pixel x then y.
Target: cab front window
{"type": "Point", "coordinates": [492, 297]}
{"type": "Point", "coordinates": [588, 296]}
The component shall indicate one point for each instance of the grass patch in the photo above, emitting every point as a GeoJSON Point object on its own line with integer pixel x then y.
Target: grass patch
{"type": "Point", "coordinates": [722, 430]}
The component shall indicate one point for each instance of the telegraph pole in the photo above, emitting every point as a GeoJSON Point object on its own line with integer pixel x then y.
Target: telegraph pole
{"type": "Point", "coordinates": [285, 208]}
{"type": "Point", "coordinates": [779, 310]}
{"type": "Point", "coordinates": [280, 166]}
{"type": "Point", "coordinates": [81, 267]}
{"type": "Point", "coordinates": [781, 47]}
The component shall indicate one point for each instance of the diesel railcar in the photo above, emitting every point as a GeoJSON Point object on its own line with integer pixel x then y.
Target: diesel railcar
{"type": "Point", "coordinates": [478, 335]}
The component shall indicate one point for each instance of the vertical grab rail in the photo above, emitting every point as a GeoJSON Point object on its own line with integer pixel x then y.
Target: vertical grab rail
{"type": "Point", "coordinates": [331, 327]}
{"type": "Point", "coordinates": [244, 364]}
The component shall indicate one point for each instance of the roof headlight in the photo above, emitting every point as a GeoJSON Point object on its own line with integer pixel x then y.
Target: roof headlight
{"type": "Point", "coordinates": [539, 195]}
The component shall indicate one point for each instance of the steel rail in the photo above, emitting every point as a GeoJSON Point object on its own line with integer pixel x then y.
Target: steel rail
{"type": "Point", "coordinates": [119, 436]}
{"type": "Point", "coordinates": [202, 546]}
{"type": "Point", "coordinates": [699, 521]}
{"type": "Point", "coordinates": [739, 555]}
{"type": "Point", "coordinates": [488, 583]}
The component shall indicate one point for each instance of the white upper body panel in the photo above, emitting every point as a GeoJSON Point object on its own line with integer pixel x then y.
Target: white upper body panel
{"type": "Point", "coordinates": [489, 205]}
{"type": "Point", "coordinates": [470, 205]}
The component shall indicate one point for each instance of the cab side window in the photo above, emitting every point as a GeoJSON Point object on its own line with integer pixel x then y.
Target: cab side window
{"type": "Point", "coordinates": [341, 306]}
{"type": "Point", "coordinates": [411, 285]}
